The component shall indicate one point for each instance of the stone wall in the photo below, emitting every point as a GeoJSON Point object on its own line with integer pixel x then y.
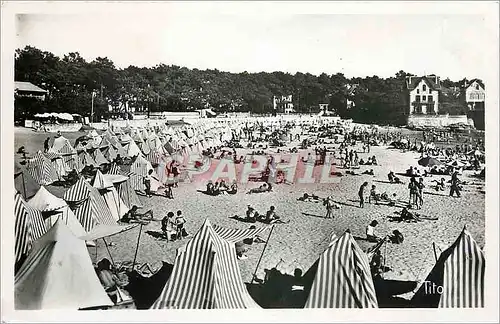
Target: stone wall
{"type": "Point", "coordinates": [437, 120]}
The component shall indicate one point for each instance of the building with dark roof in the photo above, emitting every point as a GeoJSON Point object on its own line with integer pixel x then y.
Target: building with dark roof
{"type": "Point", "coordinates": [28, 89]}
{"type": "Point", "coordinates": [424, 94]}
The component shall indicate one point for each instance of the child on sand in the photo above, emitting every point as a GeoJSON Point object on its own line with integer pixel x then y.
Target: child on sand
{"type": "Point", "coordinates": [371, 236]}
{"type": "Point", "coordinates": [373, 195]}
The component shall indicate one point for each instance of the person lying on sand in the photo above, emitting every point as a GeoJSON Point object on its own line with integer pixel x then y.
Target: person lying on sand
{"type": "Point", "coordinates": [369, 172]}
{"type": "Point", "coordinates": [266, 187]}
{"type": "Point", "coordinates": [390, 201]}
{"type": "Point", "coordinates": [233, 189]}
{"type": "Point", "coordinates": [354, 173]}
{"type": "Point", "coordinates": [309, 198]}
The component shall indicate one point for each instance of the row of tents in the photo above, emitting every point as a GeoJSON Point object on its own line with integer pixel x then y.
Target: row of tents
{"type": "Point", "coordinates": [58, 274]}
{"type": "Point", "coordinates": [90, 210]}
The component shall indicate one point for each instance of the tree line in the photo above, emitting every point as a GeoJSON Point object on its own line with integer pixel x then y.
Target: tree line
{"type": "Point", "coordinates": [71, 82]}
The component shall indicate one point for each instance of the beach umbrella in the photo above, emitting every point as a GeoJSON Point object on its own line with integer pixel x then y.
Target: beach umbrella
{"type": "Point", "coordinates": [428, 161]}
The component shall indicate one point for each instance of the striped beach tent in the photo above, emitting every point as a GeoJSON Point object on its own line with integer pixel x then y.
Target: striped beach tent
{"type": "Point", "coordinates": [131, 149]}
{"type": "Point", "coordinates": [89, 207]}
{"type": "Point", "coordinates": [343, 277]}
{"type": "Point", "coordinates": [154, 156]}
{"type": "Point", "coordinates": [28, 227]}
{"type": "Point", "coordinates": [58, 274]}
{"type": "Point", "coordinates": [114, 169]}
{"type": "Point", "coordinates": [111, 197]}
{"type": "Point", "coordinates": [58, 163]}
{"type": "Point", "coordinates": [206, 275]}
{"type": "Point", "coordinates": [24, 182]}
{"type": "Point", "coordinates": [139, 169]}
{"type": "Point", "coordinates": [41, 169]}
{"type": "Point", "coordinates": [54, 208]}
{"type": "Point", "coordinates": [62, 146]}
{"type": "Point", "coordinates": [144, 148]}
{"type": "Point", "coordinates": [127, 193]}
{"type": "Point", "coordinates": [237, 235]}
{"type": "Point", "coordinates": [457, 279]}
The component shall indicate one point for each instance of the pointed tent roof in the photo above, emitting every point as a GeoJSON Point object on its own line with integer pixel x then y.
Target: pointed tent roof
{"type": "Point", "coordinates": [58, 274]}
{"type": "Point", "coordinates": [44, 201]}
{"type": "Point", "coordinates": [62, 145]}
{"type": "Point", "coordinates": [131, 149]}
{"type": "Point", "coordinates": [23, 181]}
{"type": "Point", "coordinates": [460, 272]}
{"type": "Point", "coordinates": [99, 158]}
{"type": "Point", "coordinates": [88, 205]}
{"type": "Point", "coordinates": [110, 195]}
{"type": "Point", "coordinates": [100, 182]}
{"type": "Point", "coordinates": [343, 277]}
{"type": "Point", "coordinates": [28, 227]}
{"type": "Point", "coordinates": [206, 275]}
{"type": "Point", "coordinates": [56, 208]}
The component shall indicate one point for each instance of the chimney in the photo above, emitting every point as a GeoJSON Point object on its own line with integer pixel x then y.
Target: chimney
{"type": "Point", "coordinates": [437, 80]}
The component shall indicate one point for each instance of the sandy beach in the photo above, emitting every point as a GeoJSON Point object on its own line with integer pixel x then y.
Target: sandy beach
{"type": "Point", "coordinates": [299, 243]}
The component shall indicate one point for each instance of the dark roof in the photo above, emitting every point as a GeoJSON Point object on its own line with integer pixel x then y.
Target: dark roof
{"type": "Point", "coordinates": [428, 79]}
{"type": "Point", "coordinates": [478, 81]}
{"type": "Point", "coordinates": [27, 86]}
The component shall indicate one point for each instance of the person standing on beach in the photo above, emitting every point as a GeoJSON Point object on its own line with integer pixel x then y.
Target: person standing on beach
{"type": "Point", "coordinates": [46, 145]}
{"type": "Point", "coordinates": [455, 185]}
{"type": "Point", "coordinates": [329, 204]}
{"type": "Point", "coordinates": [420, 191]}
{"type": "Point", "coordinates": [413, 186]}
{"type": "Point", "coordinates": [147, 183]}
{"type": "Point", "coordinates": [361, 194]}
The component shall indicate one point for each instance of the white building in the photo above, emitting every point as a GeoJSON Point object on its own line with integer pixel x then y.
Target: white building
{"type": "Point", "coordinates": [475, 95]}
{"type": "Point", "coordinates": [283, 104]}
{"type": "Point", "coordinates": [424, 94]}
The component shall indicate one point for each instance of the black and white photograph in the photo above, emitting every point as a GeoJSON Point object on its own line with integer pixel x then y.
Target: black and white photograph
{"type": "Point", "coordinates": [268, 157]}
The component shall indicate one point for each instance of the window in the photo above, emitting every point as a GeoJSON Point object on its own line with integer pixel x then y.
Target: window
{"type": "Point", "coordinates": [423, 98]}
{"type": "Point", "coordinates": [477, 86]}
{"type": "Point", "coordinates": [424, 88]}
{"type": "Point", "coordinates": [418, 91]}
{"type": "Point", "coordinates": [430, 98]}
{"type": "Point", "coordinates": [417, 98]}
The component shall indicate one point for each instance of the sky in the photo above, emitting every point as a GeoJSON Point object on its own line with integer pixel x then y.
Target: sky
{"type": "Point", "coordinates": [449, 45]}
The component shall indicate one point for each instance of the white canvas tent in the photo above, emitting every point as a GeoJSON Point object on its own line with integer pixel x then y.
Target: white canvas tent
{"type": "Point", "coordinates": [58, 274]}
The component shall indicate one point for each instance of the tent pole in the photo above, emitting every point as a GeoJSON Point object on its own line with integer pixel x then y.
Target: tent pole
{"type": "Point", "coordinates": [137, 247]}
{"type": "Point", "coordinates": [95, 251]}
{"type": "Point", "coordinates": [24, 187]}
{"type": "Point", "coordinates": [107, 248]}
{"type": "Point", "coordinates": [434, 247]}
{"type": "Point", "coordinates": [261, 255]}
